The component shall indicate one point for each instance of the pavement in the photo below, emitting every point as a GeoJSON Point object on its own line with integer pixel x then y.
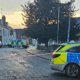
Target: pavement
{"type": "Point", "coordinates": [33, 50]}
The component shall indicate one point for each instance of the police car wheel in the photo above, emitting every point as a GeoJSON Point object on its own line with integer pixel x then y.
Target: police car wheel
{"type": "Point", "coordinates": [10, 46]}
{"type": "Point", "coordinates": [72, 70]}
{"type": "Point", "coordinates": [25, 46]}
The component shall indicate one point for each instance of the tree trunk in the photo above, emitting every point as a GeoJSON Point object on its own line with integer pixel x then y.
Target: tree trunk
{"type": "Point", "coordinates": [46, 44]}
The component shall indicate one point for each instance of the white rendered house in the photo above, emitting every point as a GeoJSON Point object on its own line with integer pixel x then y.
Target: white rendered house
{"type": "Point", "coordinates": [6, 32]}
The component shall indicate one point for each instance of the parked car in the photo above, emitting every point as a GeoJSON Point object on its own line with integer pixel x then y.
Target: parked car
{"type": "Point", "coordinates": [19, 43]}
{"type": "Point", "coordinates": [0, 44]}
{"type": "Point", "coordinates": [67, 58]}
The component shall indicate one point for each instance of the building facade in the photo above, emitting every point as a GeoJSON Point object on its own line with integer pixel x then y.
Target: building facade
{"type": "Point", "coordinates": [6, 32]}
{"type": "Point", "coordinates": [20, 33]}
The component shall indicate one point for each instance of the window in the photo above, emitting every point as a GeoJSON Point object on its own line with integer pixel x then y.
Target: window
{"type": "Point", "coordinates": [11, 32]}
{"type": "Point", "coordinates": [3, 32]}
{"type": "Point", "coordinates": [10, 40]}
{"type": "Point", "coordinates": [13, 41]}
{"type": "Point", "coordinates": [59, 48]}
{"type": "Point", "coordinates": [19, 41]}
{"type": "Point", "coordinates": [74, 49]}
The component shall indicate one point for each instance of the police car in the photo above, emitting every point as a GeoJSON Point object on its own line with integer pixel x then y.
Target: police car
{"type": "Point", "coordinates": [19, 43]}
{"type": "Point", "coordinates": [67, 58]}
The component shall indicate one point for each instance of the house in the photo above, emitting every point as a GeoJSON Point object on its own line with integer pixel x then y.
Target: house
{"type": "Point", "coordinates": [6, 32]}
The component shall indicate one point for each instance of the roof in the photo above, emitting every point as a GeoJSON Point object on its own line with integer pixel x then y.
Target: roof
{"type": "Point", "coordinates": [5, 24]}
{"type": "Point", "coordinates": [70, 43]}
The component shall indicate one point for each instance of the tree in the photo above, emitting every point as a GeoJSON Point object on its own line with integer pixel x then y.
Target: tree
{"type": "Point", "coordinates": [64, 20]}
{"type": "Point", "coordinates": [37, 17]}
{"type": "Point", "coordinates": [40, 18]}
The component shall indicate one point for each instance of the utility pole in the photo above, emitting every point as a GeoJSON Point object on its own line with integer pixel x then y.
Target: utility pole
{"type": "Point", "coordinates": [69, 22]}
{"type": "Point", "coordinates": [58, 24]}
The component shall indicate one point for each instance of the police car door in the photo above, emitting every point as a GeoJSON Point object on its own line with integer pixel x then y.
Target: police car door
{"type": "Point", "coordinates": [14, 43]}
{"type": "Point", "coordinates": [74, 54]}
{"type": "Point", "coordinates": [19, 43]}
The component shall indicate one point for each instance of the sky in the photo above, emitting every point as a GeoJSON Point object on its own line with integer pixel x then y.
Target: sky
{"type": "Point", "coordinates": [12, 10]}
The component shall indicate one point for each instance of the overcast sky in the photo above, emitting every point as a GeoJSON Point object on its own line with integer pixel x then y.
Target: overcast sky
{"type": "Point", "coordinates": [12, 10]}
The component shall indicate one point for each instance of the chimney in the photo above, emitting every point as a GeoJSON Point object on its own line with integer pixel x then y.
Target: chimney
{"type": "Point", "coordinates": [4, 18]}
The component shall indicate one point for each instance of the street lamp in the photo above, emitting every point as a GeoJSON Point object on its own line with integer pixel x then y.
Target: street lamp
{"type": "Point", "coordinates": [69, 21]}
{"type": "Point", "coordinates": [58, 22]}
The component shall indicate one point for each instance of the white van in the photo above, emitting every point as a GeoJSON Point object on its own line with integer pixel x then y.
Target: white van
{"type": "Point", "coordinates": [19, 43]}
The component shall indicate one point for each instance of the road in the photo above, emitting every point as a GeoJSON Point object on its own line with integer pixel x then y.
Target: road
{"type": "Point", "coordinates": [19, 64]}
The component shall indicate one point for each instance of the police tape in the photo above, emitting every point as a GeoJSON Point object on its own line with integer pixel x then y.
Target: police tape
{"type": "Point", "coordinates": [20, 56]}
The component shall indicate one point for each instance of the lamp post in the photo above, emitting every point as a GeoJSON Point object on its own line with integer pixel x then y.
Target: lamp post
{"type": "Point", "coordinates": [69, 22]}
{"type": "Point", "coordinates": [58, 24]}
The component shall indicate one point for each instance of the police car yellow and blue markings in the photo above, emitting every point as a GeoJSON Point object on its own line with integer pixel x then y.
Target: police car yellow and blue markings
{"type": "Point", "coordinates": [18, 43]}
{"type": "Point", "coordinates": [66, 57]}
{"type": "Point", "coordinates": [9, 43]}
{"type": "Point", "coordinates": [24, 43]}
